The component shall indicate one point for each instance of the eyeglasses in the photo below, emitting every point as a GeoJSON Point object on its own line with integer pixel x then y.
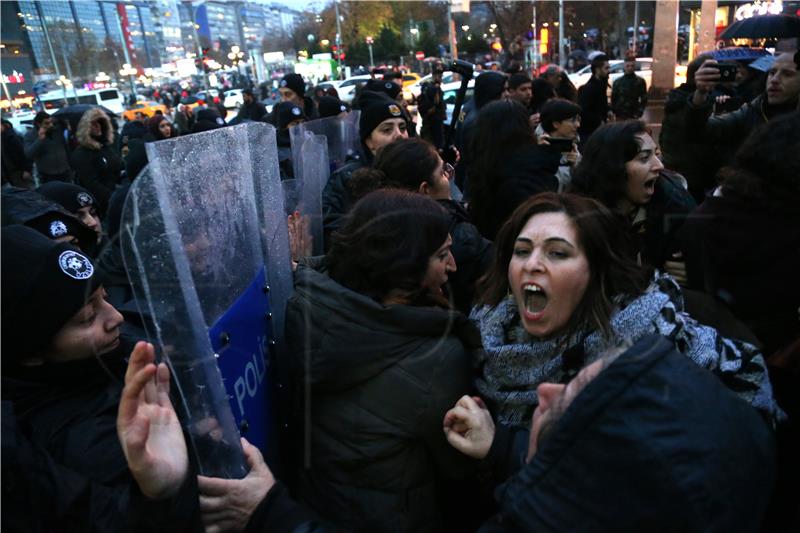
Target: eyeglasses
{"type": "Point", "coordinates": [447, 170]}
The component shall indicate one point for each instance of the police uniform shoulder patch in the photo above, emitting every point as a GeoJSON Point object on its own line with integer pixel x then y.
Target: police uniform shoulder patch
{"type": "Point", "coordinates": [84, 199]}
{"type": "Point", "coordinates": [342, 108]}
{"type": "Point", "coordinates": [388, 85]}
{"type": "Point", "coordinates": [394, 110]}
{"type": "Point", "coordinates": [220, 121]}
{"type": "Point", "coordinates": [75, 265]}
{"type": "Point", "coordinates": [57, 228]}
{"type": "Point", "coordinates": [296, 111]}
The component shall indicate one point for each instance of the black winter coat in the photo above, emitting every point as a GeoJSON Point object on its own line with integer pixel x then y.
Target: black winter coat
{"type": "Point", "coordinates": [336, 197]}
{"type": "Point", "coordinates": [379, 379]}
{"type": "Point", "coordinates": [526, 172]}
{"type": "Point", "coordinates": [98, 171]}
{"type": "Point", "coordinates": [659, 462]}
{"type": "Point", "coordinates": [747, 254]}
{"type": "Point", "coordinates": [593, 99]}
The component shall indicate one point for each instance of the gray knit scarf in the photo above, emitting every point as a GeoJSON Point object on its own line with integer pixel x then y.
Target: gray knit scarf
{"type": "Point", "coordinates": [513, 363]}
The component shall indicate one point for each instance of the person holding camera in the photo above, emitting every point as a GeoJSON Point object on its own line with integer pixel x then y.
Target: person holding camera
{"type": "Point", "coordinates": [781, 96]}
{"type": "Point", "coordinates": [433, 109]}
{"type": "Point", "coordinates": [46, 147]}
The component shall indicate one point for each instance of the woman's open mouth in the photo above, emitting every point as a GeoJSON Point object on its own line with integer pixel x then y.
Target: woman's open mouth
{"type": "Point", "coordinates": [534, 301]}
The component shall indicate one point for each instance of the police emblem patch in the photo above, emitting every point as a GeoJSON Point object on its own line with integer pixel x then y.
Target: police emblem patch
{"type": "Point", "coordinates": [75, 265]}
{"type": "Point", "coordinates": [394, 110]}
{"type": "Point", "coordinates": [58, 228]}
{"type": "Point", "coordinates": [84, 199]}
{"type": "Point", "coordinates": [388, 85]}
{"type": "Point", "coordinates": [296, 111]}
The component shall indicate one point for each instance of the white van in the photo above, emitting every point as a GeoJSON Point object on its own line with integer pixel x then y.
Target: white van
{"type": "Point", "coordinates": [110, 98]}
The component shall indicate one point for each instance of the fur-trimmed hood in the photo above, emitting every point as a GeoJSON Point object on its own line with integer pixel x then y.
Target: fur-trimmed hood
{"type": "Point", "coordinates": [84, 129]}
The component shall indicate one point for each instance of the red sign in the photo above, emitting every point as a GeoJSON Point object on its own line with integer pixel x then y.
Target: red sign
{"type": "Point", "coordinates": [420, 55]}
{"type": "Point", "coordinates": [126, 34]}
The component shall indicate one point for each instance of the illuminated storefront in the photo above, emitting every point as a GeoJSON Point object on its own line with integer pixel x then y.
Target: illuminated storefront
{"type": "Point", "coordinates": [729, 12]}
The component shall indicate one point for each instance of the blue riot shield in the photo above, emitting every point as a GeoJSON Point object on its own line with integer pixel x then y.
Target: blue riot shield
{"type": "Point", "coordinates": [207, 263]}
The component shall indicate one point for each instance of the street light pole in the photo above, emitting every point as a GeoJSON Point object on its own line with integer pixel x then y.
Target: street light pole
{"type": "Point", "coordinates": [338, 37]}
{"type": "Point", "coordinates": [369, 44]}
{"type": "Point", "coordinates": [562, 61]}
{"type": "Point", "coordinates": [635, 25]}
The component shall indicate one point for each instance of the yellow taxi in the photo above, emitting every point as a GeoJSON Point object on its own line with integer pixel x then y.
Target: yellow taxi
{"type": "Point", "coordinates": [147, 108]}
{"type": "Point", "coordinates": [410, 78]}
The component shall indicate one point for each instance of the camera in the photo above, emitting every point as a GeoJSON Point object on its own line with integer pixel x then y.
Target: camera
{"type": "Point", "coordinates": [465, 68]}
{"type": "Point", "coordinates": [727, 71]}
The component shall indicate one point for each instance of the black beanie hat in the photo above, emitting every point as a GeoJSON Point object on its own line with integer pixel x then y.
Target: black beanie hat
{"type": "Point", "coordinates": [286, 112]}
{"type": "Point", "coordinates": [375, 108]}
{"type": "Point", "coordinates": [389, 88]}
{"type": "Point", "coordinates": [330, 106]}
{"type": "Point", "coordinates": [44, 283]}
{"type": "Point", "coordinates": [68, 195]}
{"type": "Point", "coordinates": [207, 119]}
{"type": "Point", "coordinates": [295, 83]}
{"type": "Point", "coordinates": [488, 87]}
{"type": "Point", "coordinates": [30, 208]}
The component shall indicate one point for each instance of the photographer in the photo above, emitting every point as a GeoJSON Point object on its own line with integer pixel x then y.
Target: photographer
{"type": "Point", "coordinates": [781, 96]}
{"type": "Point", "coordinates": [46, 147]}
{"type": "Point", "coordinates": [433, 109]}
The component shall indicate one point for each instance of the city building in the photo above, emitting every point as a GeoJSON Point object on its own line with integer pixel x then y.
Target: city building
{"type": "Point", "coordinates": [78, 39]}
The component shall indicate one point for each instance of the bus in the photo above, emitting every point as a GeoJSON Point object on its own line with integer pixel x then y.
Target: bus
{"type": "Point", "coordinates": [110, 98]}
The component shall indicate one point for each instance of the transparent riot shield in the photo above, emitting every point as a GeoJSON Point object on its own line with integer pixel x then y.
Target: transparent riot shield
{"type": "Point", "coordinates": [205, 261]}
{"type": "Point", "coordinates": [311, 182]}
{"type": "Point", "coordinates": [341, 135]}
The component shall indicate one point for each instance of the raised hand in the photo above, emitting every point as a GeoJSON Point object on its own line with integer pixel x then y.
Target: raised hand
{"type": "Point", "coordinates": [228, 504]}
{"type": "Point", "coordinates": [705, 79]}
{"type": "Point", "coordinates": [148, 427]}
{"type": "Point", "coordinates": [469, 427]}
{"type": "Point", "coordinates": [301, 243]}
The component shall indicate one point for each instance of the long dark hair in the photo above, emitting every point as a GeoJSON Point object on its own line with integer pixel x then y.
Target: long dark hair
{"type": "Point", "coordinates": [601, 173]}
{"type": "Point", "coordinates": [502, 128]}
{"type": "Point", "coordinates": [767, 167]}
{"type": "Point", "coordinates": [403, 164]}
{"type": "Point", "coordinates": [385, 243]}
{"type": "Point", "coordinates": [612, 270]}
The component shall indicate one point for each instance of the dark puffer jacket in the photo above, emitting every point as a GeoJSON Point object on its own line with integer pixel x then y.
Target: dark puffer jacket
{"type": "Point", "coordinates": [653, 443]}
{"type": "Point", "coordinates": [380, 379]}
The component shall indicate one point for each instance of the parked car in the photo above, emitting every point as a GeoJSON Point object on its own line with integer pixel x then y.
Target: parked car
{"type": "Point", "coordinates": [21, 120]}
{"type": "Point", "coordinates": [413, 90]}
{"type": "Point", "coordinates": [347, 89]}
{"type": "Point", "coordinates": [449, 91]}
{"type": "Point", "coordinates": [644, 69]}
{"type": "Point", "coordinates": [233, 98]}
{"type": "Point", "coordinates": [148, 108]}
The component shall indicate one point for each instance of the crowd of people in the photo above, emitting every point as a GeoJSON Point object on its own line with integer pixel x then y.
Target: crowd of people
{"type": "Point", "coordinates": [558, 323]}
